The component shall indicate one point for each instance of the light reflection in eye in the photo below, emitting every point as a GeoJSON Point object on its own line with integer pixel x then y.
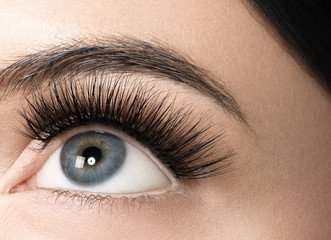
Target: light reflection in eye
{"type": "Point", "coordinates": [104, 163]}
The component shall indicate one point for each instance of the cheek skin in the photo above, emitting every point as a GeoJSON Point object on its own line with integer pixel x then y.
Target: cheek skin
{"type": "Point", "coordinates": [168, 218]}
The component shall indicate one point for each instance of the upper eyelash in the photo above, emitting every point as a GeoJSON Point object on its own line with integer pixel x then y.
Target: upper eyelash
{"type": "Point", "coordinates": [138, 112]}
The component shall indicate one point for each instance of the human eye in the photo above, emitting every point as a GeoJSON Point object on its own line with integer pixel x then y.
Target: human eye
{"type": "Point", "coordinates": [100, 161]}
{"type": "Point", "coordinates": [115, 136]}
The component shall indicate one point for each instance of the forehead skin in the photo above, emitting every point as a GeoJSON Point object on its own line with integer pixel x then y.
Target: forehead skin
{"type": "Point", "coordinates": [281, 186]}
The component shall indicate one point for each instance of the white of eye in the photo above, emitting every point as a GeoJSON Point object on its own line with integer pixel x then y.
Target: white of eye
{"type": "Point", "coordinates": [138, 174]}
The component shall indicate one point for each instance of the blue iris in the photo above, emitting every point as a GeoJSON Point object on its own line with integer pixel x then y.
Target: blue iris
{"type": "Point", "coordinates": [92, 157]}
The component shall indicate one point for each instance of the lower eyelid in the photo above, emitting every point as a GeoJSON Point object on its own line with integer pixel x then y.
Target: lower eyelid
{"type": "Point", "coordinates": [105, 203]}
{"type": "Point", "coordinates": [87, 199]}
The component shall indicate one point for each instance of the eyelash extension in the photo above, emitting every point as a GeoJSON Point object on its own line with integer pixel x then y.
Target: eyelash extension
{"type": "Point", "coordinates": [169, 134]}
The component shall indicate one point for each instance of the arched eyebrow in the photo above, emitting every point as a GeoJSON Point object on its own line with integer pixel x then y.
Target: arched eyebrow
{"type": "Point", "coordinates": [112, 55]}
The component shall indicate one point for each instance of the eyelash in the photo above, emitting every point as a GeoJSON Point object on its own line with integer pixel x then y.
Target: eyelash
{"type": "Point", "coordinates": [138, 112]}
{"type": "Point", "coordinates": [108, 202]}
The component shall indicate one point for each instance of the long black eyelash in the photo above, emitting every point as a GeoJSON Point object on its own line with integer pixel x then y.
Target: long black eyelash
{"type": "Point", "coordinates": [173, 136]}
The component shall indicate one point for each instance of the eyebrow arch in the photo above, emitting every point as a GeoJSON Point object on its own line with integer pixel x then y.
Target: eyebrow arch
{"type": "Point", "coordinates": [112, 55]}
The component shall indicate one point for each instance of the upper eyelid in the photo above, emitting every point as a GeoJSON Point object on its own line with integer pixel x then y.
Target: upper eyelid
{"type": "Point", "coordinates": [114, 54]}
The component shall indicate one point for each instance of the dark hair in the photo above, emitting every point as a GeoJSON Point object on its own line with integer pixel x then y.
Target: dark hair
{"type": "Point", "coordinates": [305, 27]}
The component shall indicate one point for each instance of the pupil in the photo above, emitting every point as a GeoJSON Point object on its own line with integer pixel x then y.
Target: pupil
{"type": "Point", "coordinates": [93, 155]}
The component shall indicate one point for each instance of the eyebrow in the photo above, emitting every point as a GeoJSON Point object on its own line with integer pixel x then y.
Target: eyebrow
{"type": "Point", "coordinates": [112, 55]}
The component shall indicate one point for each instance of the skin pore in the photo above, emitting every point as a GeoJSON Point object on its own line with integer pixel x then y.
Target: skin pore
{"type": "Point", "coordinates": [279, 182]}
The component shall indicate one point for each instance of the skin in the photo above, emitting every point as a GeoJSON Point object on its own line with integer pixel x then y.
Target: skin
{"type": "Point", "coordinates": [280, 184]}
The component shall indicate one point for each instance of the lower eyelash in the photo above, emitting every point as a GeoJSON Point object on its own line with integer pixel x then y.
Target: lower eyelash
{"type": "Point", "coordinates": [170, 134]}
{"type": "Point", "coordinates": [109, 202]}
{"type": "Point", "coordinates": [95, 200]}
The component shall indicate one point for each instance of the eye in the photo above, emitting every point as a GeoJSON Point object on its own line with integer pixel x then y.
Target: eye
{"type": "Point", "coordinates": [114, 138]}
{"type": "Point", "coordinates": [98, 161]}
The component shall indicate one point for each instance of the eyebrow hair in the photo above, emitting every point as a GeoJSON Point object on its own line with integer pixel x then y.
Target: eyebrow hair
{"type": "Point", "coordinates": [112, 55]}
